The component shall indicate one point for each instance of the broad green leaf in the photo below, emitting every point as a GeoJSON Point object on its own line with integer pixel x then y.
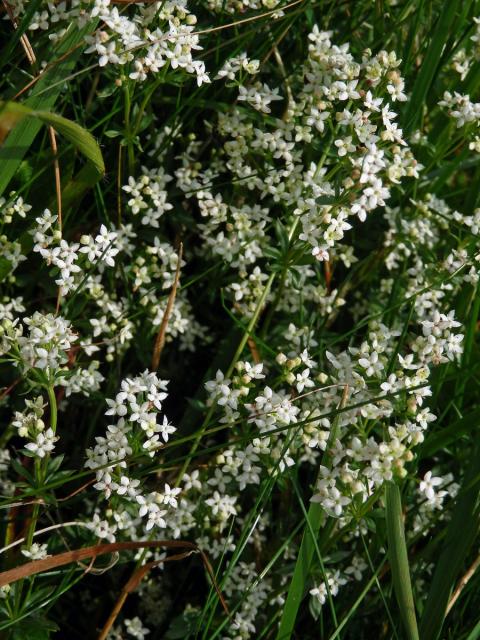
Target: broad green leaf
{"type": "Point", "coordinates": [398, 556]}
{"type": "Point", "coordinates": [42, 98]}
{"type": "Point", "coordinates": [475, 633]}
{"type": "Point", "coordinates": [77, 186]}
{"type": "Point", "coordinates": [301, 573]}
{"type": "Point", "coordinates": [309, 545]}
{"type": "Point", "coordinates": [12, 113]}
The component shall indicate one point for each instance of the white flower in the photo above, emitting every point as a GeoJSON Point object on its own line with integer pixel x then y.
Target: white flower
{"type": "Point", "coordinates": [44, 443]}
{"type": "Point", "coordinates": [166, 429]}
{"type": "Point", "coordinates": [371, 363]}
{"type": "Point", "coordinates": [135, 628]}
{"type": "Point", "coordinates": [303, 380]}
{"type": "Point", "coordinates": [127, 487]}
{"type": "Point", "coordinates": [116, 407]}
{"type": "Point", "coordinates": [321, 254]}
{"type": "Point", "coordinates": [36, 551]}
{"type": "Point", "coordinates": [169, 496]}
{"type": "Point", "coordinates": [104, 483]}
{"type": "Point", "coordinates": [428, 484]}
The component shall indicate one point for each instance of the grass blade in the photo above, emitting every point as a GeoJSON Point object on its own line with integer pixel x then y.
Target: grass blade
{"type": "Point", "coordinates": [430, 64]}
{"type": "Point", "coordinates": [308, 546]}
{"type": "Point", "coordinates": [301, 572]}
{"type": "Point", "coordinates": [399, 560]}
{"type": "Point", "coordinates": [444, 437]}
{"type": "Point", "coordinates": [357, 602]}
{"type": "Point", "coordinates": [475, 633]}
{"type": "Point", "coordinates": [461, 534]}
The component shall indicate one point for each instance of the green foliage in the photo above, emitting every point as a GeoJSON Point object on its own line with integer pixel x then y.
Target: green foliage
{"type": "Point", "coordinates": [124, 141]}
{"type": "Point", "coordinates": [12, 114]}
{"type": "Point", "coordinates": [398, 556]}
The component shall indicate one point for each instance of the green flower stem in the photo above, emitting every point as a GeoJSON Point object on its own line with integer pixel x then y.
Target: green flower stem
{"type": "Point", "coordinates": [281, 288]}
{"type": "Point", "coordinates": [40, 469]}
{"type": "Point", "coordinates": [53, 407]}
{"type": "Point", "coordinates": [238, 353]}
{"type": "Point", "coordinates": [128, 130]}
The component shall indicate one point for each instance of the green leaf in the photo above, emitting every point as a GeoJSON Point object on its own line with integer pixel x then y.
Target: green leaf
{"type": "Point", "coordinates": [43, 97]}
{"type": "Point", "coordinates": [182, 627]}
{"type": "Point", "coordinates": [35, 628]}
{"type": "Point", "coordinates": [5, 268]}
{"type": "Point", "coordinates": [22, 471]}
{"type": "Point", "coordinates": [430, 65]}
{"type": "Point", "coordinates": [313, 521]}
{"type": "Point", "coordinates": [301, 573]}
{"type": "Point", "coordinates": [11, 113]}
{"type": "Point", "coordinates": [475, 633]}
{"type": "Point", "coordinates": [113, 133]}
{"type": "Point", "coordinates": [77, 186]}
{"type": "Point", "coordinates": [398, 556]}
{"type": "Point", "coordinates": [443, 437]}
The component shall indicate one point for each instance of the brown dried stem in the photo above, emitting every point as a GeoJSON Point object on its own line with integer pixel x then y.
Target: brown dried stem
{"type": "Point", "coordinates": [160, 339]}
{"type": "Point", "coordinates": [132, 584]}
{"type": "Point", "coordinates": [27, 47]}
{"type": "Point", "coordinates": [56, 168]}
{"type": "Point", "coordinates": [462, 584]}
{"type": "Point", "coordinates": [77, 555]}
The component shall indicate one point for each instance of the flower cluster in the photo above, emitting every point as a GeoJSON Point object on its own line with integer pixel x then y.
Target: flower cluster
{"type": "Point", "coordinates": [149, 40]}
{"type": "Point", "coordinates": [286, 249]}
{"type": "Point", "coordinates": [100, 249]}
{"type": "Point", "coordinates": [136, 431]}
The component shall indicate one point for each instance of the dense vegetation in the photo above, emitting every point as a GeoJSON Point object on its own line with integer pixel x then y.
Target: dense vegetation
{"type": "Point", "coordinates": [239, 307]}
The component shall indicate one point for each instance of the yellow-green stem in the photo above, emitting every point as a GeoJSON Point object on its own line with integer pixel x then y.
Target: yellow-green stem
{"type": "Point", "coordinates": [53, 407]}
{"type": "Point", "coordinates": [40, 468]}
{"type": "Point", "coordinates": [238, 353]}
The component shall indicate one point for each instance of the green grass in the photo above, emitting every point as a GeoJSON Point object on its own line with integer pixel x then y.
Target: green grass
{"type": "Point", "coordinates": [412, 256]}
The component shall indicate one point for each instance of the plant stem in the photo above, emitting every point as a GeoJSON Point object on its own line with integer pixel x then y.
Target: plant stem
{"type": "Point", "coordinates": [283, 279]}
{"type": "Point", "coordinates": [238, 353]}
{"type": "Point", "coordinates": [128, 131]}
{"type": "Point", "coordinates": [53, 407]}
{"type": "Point", "coordinates": [40, 468]}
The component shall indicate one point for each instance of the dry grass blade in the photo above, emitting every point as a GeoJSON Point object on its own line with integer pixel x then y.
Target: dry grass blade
{"type": "Point", "coordinates": [56, 168]}
{"type": "Point", "coordinates": [463, 583]}
{"type": "Point", "coordinates": [160, 339]}
{"type": "Point", "coordinates": [27, 47]}
{"type": "Point", "coordinates": [135, 579]}
{"type": "Point", "coordinates": [77, 555]}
